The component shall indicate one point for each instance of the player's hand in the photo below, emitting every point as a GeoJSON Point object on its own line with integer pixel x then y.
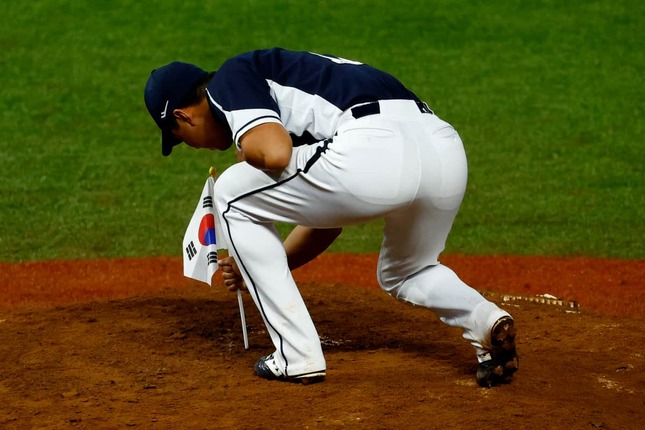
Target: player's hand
{"type": "Point", "coordinates": [231, 274]}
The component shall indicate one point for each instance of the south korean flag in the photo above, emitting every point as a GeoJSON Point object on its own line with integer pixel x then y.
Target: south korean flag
{"type": "Point", "coordinates": [200, 239]}
{"type": "Point", "coordinates": [200, 245]}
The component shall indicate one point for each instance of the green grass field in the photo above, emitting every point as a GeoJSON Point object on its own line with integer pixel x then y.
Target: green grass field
{"type": "Point", "coordinates": [548, 97]}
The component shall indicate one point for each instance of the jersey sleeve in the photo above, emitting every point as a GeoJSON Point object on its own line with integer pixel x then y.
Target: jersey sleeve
{"type": "Point", "coordinates": [242, 96]}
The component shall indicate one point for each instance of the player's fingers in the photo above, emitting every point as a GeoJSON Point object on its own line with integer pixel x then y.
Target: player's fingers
{"type": "Point", "coordinates": [228, 271]}
{"type": "Point", "coordinates": [228, 264]}
{"type": "Point", "coordinates": [233, 281]}
{"type": "Point", "coordinates": [227, 261]}
{"type": "Point", "coordinates": [238, 286]}
{"type": "Point", "coordinates": [230, 280]}
{"type": "Point", "coordinates": [224, 262]}
{"type": "Point", "coordinates": [231, 274]}
{"type": "Point", "coordinates": [233, 286]}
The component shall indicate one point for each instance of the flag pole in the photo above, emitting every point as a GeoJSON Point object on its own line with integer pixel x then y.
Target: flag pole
{"type": "Point", "coordinates": [223, 253]}
{"type": "Point", "coordinates": [243, 318]}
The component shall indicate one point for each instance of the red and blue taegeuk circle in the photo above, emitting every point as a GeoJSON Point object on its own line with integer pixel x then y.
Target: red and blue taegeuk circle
{"type": "Point", "coordinates": [207, 230]}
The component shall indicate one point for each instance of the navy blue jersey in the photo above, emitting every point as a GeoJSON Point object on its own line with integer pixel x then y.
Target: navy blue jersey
{"type": "Point", "coordinates": [305, 92]}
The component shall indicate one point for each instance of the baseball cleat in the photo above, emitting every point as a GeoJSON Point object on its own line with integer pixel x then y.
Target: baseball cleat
{"type": "Point", "coordinates": [266, 368]}
{"type": "Point", "coordinates": [498, 365]}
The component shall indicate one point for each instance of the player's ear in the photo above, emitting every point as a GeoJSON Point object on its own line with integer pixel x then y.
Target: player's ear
{"type": "Point", "coordinates": [182, 115]}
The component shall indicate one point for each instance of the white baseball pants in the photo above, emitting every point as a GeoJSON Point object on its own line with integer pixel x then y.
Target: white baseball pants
{"type": "Point", "coordinates": [402, 165]}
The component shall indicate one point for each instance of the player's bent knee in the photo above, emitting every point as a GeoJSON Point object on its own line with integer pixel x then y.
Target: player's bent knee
{"type": "Point", "coordinates": [229, 185]}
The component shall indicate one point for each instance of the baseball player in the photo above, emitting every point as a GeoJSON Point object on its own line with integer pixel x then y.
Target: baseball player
{"type": "Point", "coordinates": [327, 142]}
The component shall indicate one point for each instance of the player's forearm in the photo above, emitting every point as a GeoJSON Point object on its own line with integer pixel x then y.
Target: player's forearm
{"type": "Point", "coordinates": [304, 244]}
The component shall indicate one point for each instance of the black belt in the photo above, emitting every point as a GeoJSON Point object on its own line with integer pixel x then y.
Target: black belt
{"type": "Point", "coordinates": [373, 108]}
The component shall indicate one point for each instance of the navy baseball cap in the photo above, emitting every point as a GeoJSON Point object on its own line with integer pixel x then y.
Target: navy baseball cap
{"type": "Point", "coordinates": [166, 89]}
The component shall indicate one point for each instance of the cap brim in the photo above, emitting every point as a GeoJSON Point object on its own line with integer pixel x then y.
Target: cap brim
{"type": "Point", "coordinates": [168, 141]}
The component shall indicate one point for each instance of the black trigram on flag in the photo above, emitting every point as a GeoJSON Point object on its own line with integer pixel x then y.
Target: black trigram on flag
{"type": "Point", "coordinates": [190, 250]}
{"type": "Point", "coordinates": [212, 257]}
{"type": "Point", "coordinates": [208, 202]}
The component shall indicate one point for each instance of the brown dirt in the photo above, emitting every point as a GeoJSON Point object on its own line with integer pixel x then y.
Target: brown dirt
{"type": "Point", "coordinates": [130, 343]}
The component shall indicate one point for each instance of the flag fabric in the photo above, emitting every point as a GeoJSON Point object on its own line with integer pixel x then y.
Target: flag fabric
{"type": "Point", "coordinates": [200, 239]}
